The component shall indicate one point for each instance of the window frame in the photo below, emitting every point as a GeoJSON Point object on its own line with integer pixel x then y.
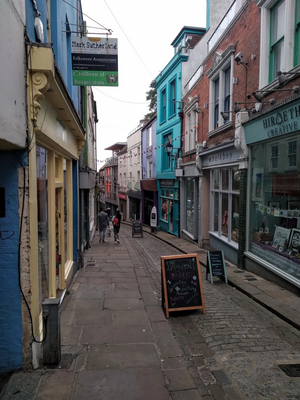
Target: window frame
{"type": "Point", "coordinates": [291, 155]}
{"type": "Point", "coordinates": [172, 97]}
{"type": "Point", "coordinates": [215, 119]}
{"type": "Point", "coordinates": [289, 39]}
{"type": "Point", "coordinates": [217, 192]}
{"type": "Point", "coordinates": [297, 34]}
{"type": "Point", "coordinates": [163, 105]}
{"type": "Point", "coordinates": [276, 44]}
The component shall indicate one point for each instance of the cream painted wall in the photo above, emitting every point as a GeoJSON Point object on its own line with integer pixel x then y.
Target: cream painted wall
{"type": "Point", "coordinates": [13, 73]}
{"type": "Point", "coordinates": [54, 134]}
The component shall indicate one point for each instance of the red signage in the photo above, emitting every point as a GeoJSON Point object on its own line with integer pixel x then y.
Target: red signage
{"type": "Point", "coordinates": [122, 196]}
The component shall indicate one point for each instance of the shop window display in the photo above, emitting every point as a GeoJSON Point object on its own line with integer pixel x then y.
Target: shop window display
{"type": "Point", "coordinates": [164, 209]}
{"type": "Point", "coordinates": [275, 205]}
{"type": "Point", "coordinates": [190, 207]}
{"type": "Point", "coordinates": [225, 203]}
{"type": "Point", "coordinates": [43, 239]}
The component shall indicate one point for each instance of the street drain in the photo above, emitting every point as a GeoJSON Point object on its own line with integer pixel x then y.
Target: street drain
{"type": "Point", "coordinates": [91, 264]}
{"type": "Point", "coordinates": [251, 279]}
{"type": "Point", "coordinates": [239, 271]}
{"type": "Point", "coordinates": [292, 370]}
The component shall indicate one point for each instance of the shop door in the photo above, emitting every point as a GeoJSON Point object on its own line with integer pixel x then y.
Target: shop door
{"type": "Point", "coordinates": [59, 234]}
{"type": "Point", "coordinates": [175, 217]}
{"type": "Point", "coordinates": [171, 226]}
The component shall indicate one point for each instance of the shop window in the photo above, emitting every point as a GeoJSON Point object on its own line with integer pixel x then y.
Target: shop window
{"type": "Point", "coordinates": [43, 223]}
{"type": "Point", "coordinates": [292, 154]}
{"type": "Point", "coordinates": [164, 208]}
{"type": "Point", "coordinates": [274, 231]}
{"type": "Point", "coordinates": [190, 206]}
{"type": "Point", "coordinates": [225, 203]}
{"type": "Point", "coordinates": [274, 157]}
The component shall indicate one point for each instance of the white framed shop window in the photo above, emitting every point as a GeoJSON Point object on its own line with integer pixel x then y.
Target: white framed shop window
{"type": "Point", "coordinates": [224, 200]}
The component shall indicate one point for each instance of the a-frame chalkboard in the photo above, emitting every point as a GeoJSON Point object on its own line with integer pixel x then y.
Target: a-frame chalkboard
{"type": "Point", "coordinates": [137, 228]}
{"type": "Point", "coordinates": [215, 265]}
{"type": "Point", "coordinates": [181, 283]}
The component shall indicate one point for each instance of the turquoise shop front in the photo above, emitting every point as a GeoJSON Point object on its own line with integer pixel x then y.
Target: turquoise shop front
{"type": "Point", "coordinates": [273, 207]}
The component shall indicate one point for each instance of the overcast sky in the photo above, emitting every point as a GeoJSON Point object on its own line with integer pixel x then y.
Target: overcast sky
{"type": "Point", "coordinates": [145, 31]}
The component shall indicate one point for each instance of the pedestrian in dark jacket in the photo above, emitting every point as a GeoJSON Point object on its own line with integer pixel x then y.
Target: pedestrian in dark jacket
{"type": "Point", "coordinates": [102, 224]}
{"type": "Point", "coordinates": [116, 225]}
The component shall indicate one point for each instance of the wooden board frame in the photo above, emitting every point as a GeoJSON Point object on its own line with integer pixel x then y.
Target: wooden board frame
{"type": "Point", "coordinates": [137, 234]}
{"type": "Point", "coordinates": [164, 293]}
{"type": "Point", "coordinates": [209, 268]}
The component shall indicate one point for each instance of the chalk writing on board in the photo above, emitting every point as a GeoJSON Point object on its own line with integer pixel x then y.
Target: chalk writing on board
{"type": "Point", "coordinates": [216, 265]}
{"type": "Point", "coordinates": [181, 283]}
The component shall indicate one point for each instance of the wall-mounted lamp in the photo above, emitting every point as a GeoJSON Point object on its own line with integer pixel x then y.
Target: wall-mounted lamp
{"type": "Point", "coordinates": [169, 148]}
{"type": "Point", "coordinates": [283, 79]}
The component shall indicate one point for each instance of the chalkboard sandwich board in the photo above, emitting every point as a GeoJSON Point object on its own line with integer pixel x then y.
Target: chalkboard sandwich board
{"type": "Point", "coordinates": [181, 283]}
{"type": "Point", "coordinates": [137, 228]}
{"type": "Point", "coordinates": [215, 265]}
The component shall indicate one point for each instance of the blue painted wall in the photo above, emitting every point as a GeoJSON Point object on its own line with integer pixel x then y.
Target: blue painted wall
{"type": "Point", "coordinates": [172, 123]}
{"type": "Point", "coordinates": [10, 294]}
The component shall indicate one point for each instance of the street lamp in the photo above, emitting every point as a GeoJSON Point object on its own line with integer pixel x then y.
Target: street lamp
{"type": "Point", "coordinates": [168, 148]}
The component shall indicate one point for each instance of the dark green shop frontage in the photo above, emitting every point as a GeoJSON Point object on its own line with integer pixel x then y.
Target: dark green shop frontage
{"type": "Point", "coordinates": [168, 205]}
{"type": "Point", "coordinates": [273, 217]}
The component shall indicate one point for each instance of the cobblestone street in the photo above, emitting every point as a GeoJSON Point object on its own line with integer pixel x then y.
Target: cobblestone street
{"type": "Point", "coordinates": [246, 341]}
{"type": "Point", "coordinates": [113, 329]}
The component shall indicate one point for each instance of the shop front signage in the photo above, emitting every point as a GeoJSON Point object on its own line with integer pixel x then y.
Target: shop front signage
{"type": "Point", "coordinates": [122, 196]}
{"type": "Point", "coordinates": [225, 156]}
{"type": "Point", "coordinates": [167, 183]}
{"type": "Point", "coordinates": [282, 122]}
{"type": "Point", "coordinates": [94, 61]}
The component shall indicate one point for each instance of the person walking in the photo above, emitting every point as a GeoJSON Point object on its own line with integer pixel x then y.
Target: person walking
{"type": "Point", "coordinates": [102, 224]}
{"type": "Point", "coordinates": [116, 225]}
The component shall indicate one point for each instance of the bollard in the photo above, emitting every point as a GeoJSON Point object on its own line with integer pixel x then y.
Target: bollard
{"type": "Point", "coordinates": [52, 342]}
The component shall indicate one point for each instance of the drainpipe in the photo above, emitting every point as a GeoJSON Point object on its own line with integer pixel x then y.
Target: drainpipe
{"type": "Point", "coordinates": [199, 149]}
{"type": "Point", "coordinates": [180, 114]}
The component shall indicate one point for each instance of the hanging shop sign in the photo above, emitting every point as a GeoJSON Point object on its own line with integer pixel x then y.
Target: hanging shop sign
{"type": "Point", "coordinates": [284, 121]}
{"type": "Point", "coordinates": [94, 61]}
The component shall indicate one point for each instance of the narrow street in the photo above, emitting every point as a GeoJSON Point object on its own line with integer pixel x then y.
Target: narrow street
{"type": "Point", "coordinates": [117, 343]}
